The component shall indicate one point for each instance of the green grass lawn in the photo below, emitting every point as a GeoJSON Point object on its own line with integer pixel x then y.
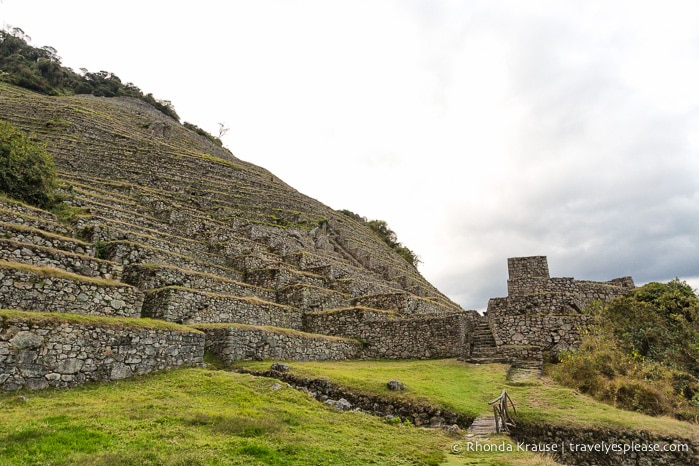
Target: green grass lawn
{"type": "Point", "coordinates": [467, 388]}
{"type": "Point", "coordinates": [199, 416]}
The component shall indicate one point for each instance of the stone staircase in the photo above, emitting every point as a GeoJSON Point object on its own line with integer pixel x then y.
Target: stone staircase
{"type": "Point", "coordinates": [484, 349]}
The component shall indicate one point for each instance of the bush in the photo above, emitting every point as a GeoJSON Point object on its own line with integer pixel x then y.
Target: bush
{"type": "Point", "coordinates": [641, 352]}
{"type": "Point", "coordinates": [637, 395]}
{"type": "Point", "coordinates": [27, 171]}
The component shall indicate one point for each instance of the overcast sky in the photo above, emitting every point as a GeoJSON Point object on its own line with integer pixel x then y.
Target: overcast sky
{"type": "Point", "coordinates": [479, 130]}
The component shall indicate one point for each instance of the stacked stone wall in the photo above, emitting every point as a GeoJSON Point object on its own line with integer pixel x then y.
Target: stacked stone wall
{"type": "Point", "coordinates": [150, 276]}
{"type": "Point", "coordinates": [22, 234]}
{"type": "Point", "coordinates": [650, 448]}
{"type": "Point", "coordinates": [312, 298]}
{"type": "Point", "coordinates": [127, 253]}
{"type": "Point", "coordinates": [551, 332]}
{"type": "Point", "coordinates": [534, 266]}
{"type": "Point", "coordinates": [30, 221]}
{"type": "Point", "coordinates": [38, 352]}
{"type": "Point", "coordinates": [52, 290]}
{"type": "Point", "coordinates": [188, 306]}
{"type": "Point", "coordinates": [387, 335]}
{"type": "Point", "coordinates": [280, 277]}
{"type": "Point", "coordinates": [405, 303]}
{"type": "Point", "coordinates": [244, 342]}
{"type": "Point", "coordinates": [605, 292]}
{"type": "Point", "coordinates": [42, 256]}
{"type": "Point", "coordinates": [543, 311]}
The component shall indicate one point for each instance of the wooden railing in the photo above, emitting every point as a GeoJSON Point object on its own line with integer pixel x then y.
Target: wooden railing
{"type": "Point", "coordinates": [503, 420]}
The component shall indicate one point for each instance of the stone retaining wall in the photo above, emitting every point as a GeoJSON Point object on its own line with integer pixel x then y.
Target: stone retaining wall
{"type": "Point", "coordinates": [241, 342]}
{"type": "Point", "coordinates": [37, 352]}
{"type": "Point", "coordinates": [28, 235]}
{"type": "Point", "coordinates": [312, 298]}
{"type": "Point", "coordinates": [565, 439]}
{"type": "Point", "coordinates": [387, 335]}
{"type": "Point", "coordinates": [405, 303]}
{"type": "Point", "coordinates": [41, 256]}
{"type": "Point", "coordinates": [31, 221]}
{"type": "Point", "coordinates": [552, 332]}
{"type": "Point", "coordinates": [148, 276]}
{"type": "Point", "coordinates": [185, 305]}
{"type": "Point", "coordinates": [51, 290]}
{"type": "Point", "coordinates": [280, 277]}
{"type": "Point", "coordinates": [126, 253]}
{"type": "Point", "coordinates": [25, 210]}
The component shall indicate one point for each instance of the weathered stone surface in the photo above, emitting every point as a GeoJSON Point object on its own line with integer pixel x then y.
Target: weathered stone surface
{"type": "Point", "coordinates": [542, 313]}
{"type": "Point", "coordinates": [41, 289]}
{"type": "Point", "coordinates": [395, 385]}
{"type": "Point", "coordinates": [280, 367]}
{"type": "Point", "coordinates": [42, 256]}
{"type": "Point", "coordinates": [68, 353]}
{"type": "Point", "coordinates": [389, 335]}
{"type": "Point", "coordinates": [241, 342]}
{"type": "Point", "coordinates": [185, 305]}
{"type": "Point", "coordinates": [26, 340]}
{"type": "Point", "coordinates": [340, 405]}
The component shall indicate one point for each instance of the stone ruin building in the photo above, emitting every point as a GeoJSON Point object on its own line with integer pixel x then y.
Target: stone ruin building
{"type": "Point", "coordinates": [540, 315]}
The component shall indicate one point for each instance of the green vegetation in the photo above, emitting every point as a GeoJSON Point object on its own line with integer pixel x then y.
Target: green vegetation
{"type": "Point", "coordinates": [201, 417]}
{"type": "Point", "coordinates": [40, 70]}
{"type": "Point", "coordinates": [67, 214]}
{"type": "Point", "coordinates": [201, 132]}
{"type": "Point", "coordinates": [27, 171]}
{"type": "Point", "coordinates": [101, 250]}
{"type": "Point", "coordinates": [388, 236]}
{"type": "Point", "coordinates": [466, 388]}
{"type": "Point", "coordinates": [642, 353]}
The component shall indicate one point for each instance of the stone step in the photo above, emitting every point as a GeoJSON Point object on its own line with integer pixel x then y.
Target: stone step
{"type": "Point", "coordinates": [190, 306]}
{"type": "Point", "coordinates": [239, 342]}
{"type": "Point", "coordinates": [25, 253]}
{"type": "Point", "coordinates": [496, 359]}
{"type": "Point", "coordinates": [48, 289]}
{"type": "Point", "coordinates": [29, 235]}
{"type": "Point", "coordinates": [151, 276]}
{"type": "Point", "coordinates": [483, 426]}
{"type": "Point", "coordinates": [523, 375]}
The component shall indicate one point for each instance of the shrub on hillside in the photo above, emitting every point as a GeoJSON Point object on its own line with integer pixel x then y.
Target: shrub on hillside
{"type": "Point", "coordinates": [40, 70]}
{"type": "Point", "coordinates": [27, 171]}
{"type": "Point", "coordinates": [641, 352]}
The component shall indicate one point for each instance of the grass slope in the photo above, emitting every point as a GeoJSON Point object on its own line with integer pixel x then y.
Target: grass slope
{"type": "Point", "coordinates": [467, 388]}
{"type": "Point", "coordinates": [206, 417]}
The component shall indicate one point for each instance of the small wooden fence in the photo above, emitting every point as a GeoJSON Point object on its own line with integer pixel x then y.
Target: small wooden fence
{"type": "Point", "coordinates": [503, 420]}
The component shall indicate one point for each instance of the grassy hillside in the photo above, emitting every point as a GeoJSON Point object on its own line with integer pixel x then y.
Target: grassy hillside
{"type": "Point", "coordinates": [208, 417]}
{"type": "Point", "coordinates": [204, 416]}
{"type": "Point", "coordinates": [467, 388]}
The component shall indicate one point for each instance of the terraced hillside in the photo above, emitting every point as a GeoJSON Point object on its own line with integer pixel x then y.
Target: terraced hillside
{"type": "Point", "coordinates": [175, 228]}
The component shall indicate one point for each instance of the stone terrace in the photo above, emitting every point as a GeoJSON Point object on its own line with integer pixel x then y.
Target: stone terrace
{"type": "Point", "coordinates": [178, 229]}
